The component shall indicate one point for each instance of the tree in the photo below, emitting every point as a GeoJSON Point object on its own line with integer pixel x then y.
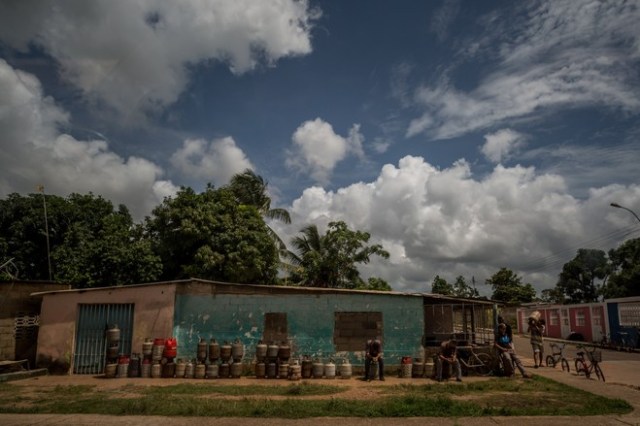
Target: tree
{"type": "Point", "coordinates": [462, 289]}
{"type": "Point", "coordinates": [508, 288]}
{"type": "Point", "coordinates": [624, 280]}
{"type": "Point", "coordinates": [209, 235]}
{"type": "Point", "coordinates": [330, 260]}
{"type": "Point", "coordinates": [441, 286]}
{"type": "Point", "coordinates": [91, 244]}
{"type": "Point", "coordinates": [577, 281]}
{"type": "Point", "coordinates": [552, 295]}
{"type": "Point", "coordinates": [374, 283]}
{"type": "Point", "coordinates": [250, 189]}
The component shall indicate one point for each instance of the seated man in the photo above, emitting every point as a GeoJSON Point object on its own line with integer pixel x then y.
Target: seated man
{"type": "Point", "coordinates": [448, 356]}
{"type": "Point", "coordinates": [504, 349]}
{"type": "Point", "coordinates": [374, 354]}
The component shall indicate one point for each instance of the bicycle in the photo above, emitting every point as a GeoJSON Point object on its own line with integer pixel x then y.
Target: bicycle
{"type": "Point", "coordinates": [557, 356]}
{"type": "Point", "coordinates": [469, 359]}
{"type": "Point", "coordinates": [590, 364]}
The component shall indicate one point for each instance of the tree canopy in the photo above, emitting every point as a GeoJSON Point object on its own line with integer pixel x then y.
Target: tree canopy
{"type": "Point", "coordinates": [330, 260]}
{"type": "Point", "coordinates": [209, 235]}
{"type": "Point", "coordinates": [91, 243]}
{"type": "Point", "coordinates": [508, 288]}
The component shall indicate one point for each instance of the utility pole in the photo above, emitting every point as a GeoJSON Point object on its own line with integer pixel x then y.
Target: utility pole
{"type": "Point", "coordinates": [46, 227]}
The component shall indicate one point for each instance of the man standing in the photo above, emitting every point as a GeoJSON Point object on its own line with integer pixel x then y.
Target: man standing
{"type": "Point", "coordinates": [448, 356]}
{"type": "Point", "coordinates": [535, 332]}
{"type": "Point", "coordinates": [374, 355]}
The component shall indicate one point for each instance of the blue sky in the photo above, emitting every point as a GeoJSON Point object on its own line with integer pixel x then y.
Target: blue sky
{"type": "Point", "coordinates": [464, 136]}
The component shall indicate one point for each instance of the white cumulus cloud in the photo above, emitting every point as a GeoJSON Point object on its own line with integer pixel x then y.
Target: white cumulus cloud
{"type": "Point", "coordinates": [216, 161]}
{"type": "Point", "coordinates": [500, 144]}
{"type": "Point", "coordinates": [35, 153]}
{"type": "Point", "coordinates": [317, 149]}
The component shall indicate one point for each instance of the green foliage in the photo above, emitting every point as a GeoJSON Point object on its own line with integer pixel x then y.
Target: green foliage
{"type": "Point", "coordinates": [91, 244]}
{"type": "Point", "coordinates": [625, 270]}
{"type": "Point", "coordinates": [462, 289]}
{"type": "Point", "coordinates": [211, 236]}
{"type": "Point", "coordinates": [330, 260]}
{"type": "Point", "coordinates": [373, 283]}
{"type": "Point", "coordinates": [577, 281]}
{"type": "Point", "coordinates": [508, 288]}
{"type": "Point", "coordinates": [441, 286]}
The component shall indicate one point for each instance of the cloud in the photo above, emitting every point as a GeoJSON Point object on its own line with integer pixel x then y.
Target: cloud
{"type": "Point", "coordinates": [556, 54]}
{"type": "Point", "coordinates": [446, 222]}
{"type": "Point", "coordinates": [216, 161]}
{"type": "Point", "coordinates": [35, 153]}
{"type": "Point", "coordinates": [134, 55]}
{"type": "Point", "coordinates": [317, 149]}
{"type": "Point", "coordinates": [500, 144]}
{"type": "Point", "coordinates": [443, 17]}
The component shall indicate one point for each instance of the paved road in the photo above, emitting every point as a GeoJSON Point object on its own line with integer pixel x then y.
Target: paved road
{"type": "Point", "coordinates": [622, 371]}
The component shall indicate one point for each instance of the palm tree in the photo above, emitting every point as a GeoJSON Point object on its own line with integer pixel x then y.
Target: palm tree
{"type": "Point", "coordinates": [251, 190]}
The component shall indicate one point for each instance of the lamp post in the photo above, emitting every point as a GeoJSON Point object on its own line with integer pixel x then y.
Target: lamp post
{"type": "Point", "coordinates": [618, 206]}
{"type": "Point", "coordinates": [46, 227]}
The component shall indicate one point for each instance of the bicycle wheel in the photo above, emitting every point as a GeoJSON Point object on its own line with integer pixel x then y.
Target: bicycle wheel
{"type": "Point", "coordinates": [486, 361]}
{"type": "Point", "coordinates": [565, 365]}
{"type": "Point", "coordinates": [581, 367]}
{"type": "Point", "coordinates": [551, 362]}
{"type": "Point", "coordinates": [599, 372]}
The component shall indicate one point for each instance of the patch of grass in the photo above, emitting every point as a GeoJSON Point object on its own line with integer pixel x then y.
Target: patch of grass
{"type": "Point", "coordinates": [495, 397]}
{"type": "Point", "coordinates": [301, 389]}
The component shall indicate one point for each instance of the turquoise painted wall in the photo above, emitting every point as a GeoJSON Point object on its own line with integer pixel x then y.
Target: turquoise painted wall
{"type": "Point", "coordinates": [310, 321]}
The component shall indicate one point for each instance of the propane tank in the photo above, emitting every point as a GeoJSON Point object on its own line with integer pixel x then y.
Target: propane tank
{"type": "Point", "coordinates": [284, 352]}
{"type": "Point", "coordinates": [202, 350]}
{"type": "Point", "coordinates": [134, 365]}
{"type": "Point", "coordinates": [200, 371]}
{"type": "Point", "coordinates": [224, 370]}
{"type": "Point", "coordinates": [189, 370]}
{"type": "Point", "coordinates": [237, 351]}
{"type": "Point", "coordinates": [295, 371]}
{"type": "Point", "coordinates": [225, 352]}
{"type": "Point", "coordinates": [214, 350]}
{"type": "Point", "coordinates": [261, 370]}
{"type": "Point", "coordinates": [156, 370]}
{"type": "Point", "coordinates": [272, 370]}
{"type": "Point", "coordinates": [180, 369]}
{"type": "Point", "coordinates": [261, 351]}
{"type": "Point", "coordinates": [272, 350]}
{"type": "Point", "coordinates": [145, 369]}
{"type": "Point", "coordinates": [236, 370]}
{"type": "Point", "coordinates": [283, 371]}
{"type": "Point", "coordinates": [212, 371]}
{"type": "Point", "coordinates": [330, 370]}
{"type": "Point", "coordinates": [113, 334]}
{"type": "Point", "coordinates": [147, 348]}
{"type": "Point", "coordinates": [345, 369]}
{"type": "Point", "coordinates": [318, 369]}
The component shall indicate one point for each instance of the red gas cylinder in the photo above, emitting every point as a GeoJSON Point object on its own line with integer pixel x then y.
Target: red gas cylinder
{"type": "Point", "coordinates": [407, 360]}
{"type": "Point", "coordinates": [170, 348]}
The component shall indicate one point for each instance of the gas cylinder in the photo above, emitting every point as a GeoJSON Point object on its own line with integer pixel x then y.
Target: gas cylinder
{"type": "Point", "coordinates": [180, 369]}
{"type": "Point", "coordinates": [123, 366]}
{"type": "Point", "coordinates": [406, 367]}
{"type": "Point", "coordinates": [134, 365]}
{"type": "Point", "coordinates": [261, 351]}
{"type": "Point", "coordinates": [156, 370]}
{"type": "Point", "coordinates": [170, 348]}
{"type": "Point", "coordinates": [225, 352]}
{"type": "Point", "coordinates": [418, 367]}
{"type": "Point", "coordinates": [261, 370]}
{"type": "Point", "coordinates": [295, 371]}
{"type": "Point", "coordinates": [272, 350]}
{"type": "Point", "coordinates": [169, 370]}
{"type": "Point", "coordinates": [145, 368]}
{"type": "Point", "coordinates": [113, 350]}
{"type": "Point", "coordinates": [189, 370]}
{"type": "Point", "coordinates": [283, 371]}
{"type": "Point", "coordinates": [272, 370]}
{"type": "Point", "coordinates": [113, 334]}
{"type": "Point", "coordinates": [330, 370]}
{"type": "Point", "coordinates": [236, 370]}
{"type": "Point", "coordinates": [345, 369]}
{"type": "Point", "coordinates": [224, 370]}
{"type": "Point", "coordinates": [214, 350]}
{"type": "Point", "coordinates": [200, 371]}
{"type": "Point", "coordinates": [212, 371]}
{"type": "Point", "coordinates": [318, 369]}
{"type": "Point", "coordinates": [202, 350]}
{"type": "Point", "coordinates": [307, 367]}
{"type": "Point", "coordinates": [284, 352]}
{"type": "Point", "coordinates": [237, 351]}
{"type": "Point", "coordinates": [110, 370]}
{"type": "Point", "coordinates": [147, 348]}
{"type": "Point", "coordinates": [158, 348]}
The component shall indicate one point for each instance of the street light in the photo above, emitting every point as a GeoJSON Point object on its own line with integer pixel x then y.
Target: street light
{"type": "Point", "coordinates": [618, 206]}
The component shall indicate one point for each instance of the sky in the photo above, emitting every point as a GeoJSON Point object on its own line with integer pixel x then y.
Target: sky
{"type": "Point", "coordinates": [464, 136]}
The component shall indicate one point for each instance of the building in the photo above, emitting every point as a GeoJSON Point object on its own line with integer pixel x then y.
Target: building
{"type": "Point", "coordinates": [20, 318]}
{"type": "Point", "coordinates": [612, 319]}
{"type": "Point", "coordinates": [318, 322]}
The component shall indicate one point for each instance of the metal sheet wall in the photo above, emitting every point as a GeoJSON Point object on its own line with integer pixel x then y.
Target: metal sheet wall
{"type": "Point", "coordinates": [91, 344]}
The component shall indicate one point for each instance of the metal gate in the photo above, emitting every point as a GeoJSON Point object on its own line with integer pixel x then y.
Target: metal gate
{"type": "Point", "coordinates": [91, 339]}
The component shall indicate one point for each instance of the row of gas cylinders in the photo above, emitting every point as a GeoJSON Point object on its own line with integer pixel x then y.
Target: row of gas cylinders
{"type": "Point", "coordinates": [272, 351]}
{"type": "Point", "coordinates": [135, 366]}
{"type": "Point", "coordinates": [303, 370]}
